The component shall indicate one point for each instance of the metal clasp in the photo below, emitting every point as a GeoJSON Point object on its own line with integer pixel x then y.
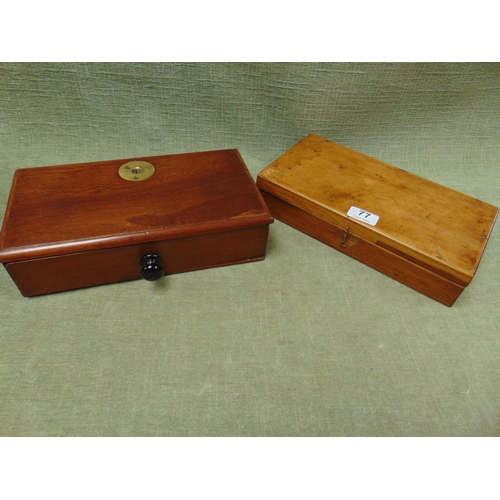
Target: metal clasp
{"type": "Point", "coordinates": [344, 237]}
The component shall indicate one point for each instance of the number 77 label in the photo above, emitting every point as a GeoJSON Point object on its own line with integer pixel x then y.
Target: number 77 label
{"type": "Point", "coordinates": [363, 215]}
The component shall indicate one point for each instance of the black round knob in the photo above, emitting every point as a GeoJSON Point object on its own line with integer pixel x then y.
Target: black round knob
{"type": "Point", "coordinates": [151, 267]}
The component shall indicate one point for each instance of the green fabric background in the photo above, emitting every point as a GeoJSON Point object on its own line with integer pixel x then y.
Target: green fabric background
{"type": "Point", "coordinates": [305, 343]}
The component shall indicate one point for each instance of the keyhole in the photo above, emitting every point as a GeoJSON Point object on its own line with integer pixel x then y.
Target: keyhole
{"type": "Point", "coordinates": [137, 170]}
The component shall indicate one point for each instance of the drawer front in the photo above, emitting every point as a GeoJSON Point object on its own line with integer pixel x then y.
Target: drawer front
{"type": "Point", "coordinates": [385, 261]}
{"type": "Point", "coordinates": [99, 267]}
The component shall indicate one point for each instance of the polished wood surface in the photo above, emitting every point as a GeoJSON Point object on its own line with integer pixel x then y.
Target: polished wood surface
{"type": "Point", "coordinates": [427, 222]}
{"type": "Point", "coordinates": [398, 268]}
{"type": "Point", "coordinates": [82, 225]}
{"type": "Point", "coordinates": [112, 265]}
{"type": "Point", "coordinates": [428, 237]}
{"type": "Point", "coordinates": [74, 208]}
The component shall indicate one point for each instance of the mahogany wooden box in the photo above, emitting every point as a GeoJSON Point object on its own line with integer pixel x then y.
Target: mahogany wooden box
{"type": "Point", "coordinates": [75, 226]}
{"type": "Point", "coordinates": [420, 233]}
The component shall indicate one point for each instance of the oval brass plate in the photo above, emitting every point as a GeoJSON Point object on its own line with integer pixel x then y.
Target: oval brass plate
{"type": "Point", "coordinates": [136, 170]}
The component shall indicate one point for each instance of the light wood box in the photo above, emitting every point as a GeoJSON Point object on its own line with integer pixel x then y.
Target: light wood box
{"type": "Point", "coordinates": [427, 236]}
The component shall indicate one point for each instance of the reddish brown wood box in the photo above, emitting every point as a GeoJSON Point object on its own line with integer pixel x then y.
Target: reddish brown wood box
{"type": "Point", "coordinates": [75, 226]}
{"type": "Point", "coordinates": [420, 233]}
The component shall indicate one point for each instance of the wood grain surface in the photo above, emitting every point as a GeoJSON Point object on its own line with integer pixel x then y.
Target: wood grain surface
{"type": "Point", "coordinates": [76, 226]}
{"type": "Point", "coordinates": [398, 268]}
{"type": "Point", "coordinates": [112, 265]}
{"type": "Point", "coordinates": [428, 236]}
{"type": "Point", "coordinates": [428, 222]}
{"type": "Point", "coordinates": [74, 208]}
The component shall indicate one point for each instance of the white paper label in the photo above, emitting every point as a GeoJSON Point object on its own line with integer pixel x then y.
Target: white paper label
{"type": "Point", "coordinates": [363, 215]}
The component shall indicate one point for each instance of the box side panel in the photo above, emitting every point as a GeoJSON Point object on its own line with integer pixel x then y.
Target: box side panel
{"type": "Point", "coordinates": [398, 268]}
{"type": "Point", "coordinates": [80, 270]}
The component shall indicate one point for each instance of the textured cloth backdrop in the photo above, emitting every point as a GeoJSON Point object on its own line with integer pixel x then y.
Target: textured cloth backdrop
{"type": "Point", "coordinates": [306, 343]}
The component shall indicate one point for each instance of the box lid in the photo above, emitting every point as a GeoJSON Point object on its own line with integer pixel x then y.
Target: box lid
{"type": "Point", "coordinates": [426, 223]}
{"type": "Point", "coordinates": [73, 208]}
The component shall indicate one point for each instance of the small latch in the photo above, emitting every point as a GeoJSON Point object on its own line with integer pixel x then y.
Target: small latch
{"type": "Point", "coordinates": [344, 237]}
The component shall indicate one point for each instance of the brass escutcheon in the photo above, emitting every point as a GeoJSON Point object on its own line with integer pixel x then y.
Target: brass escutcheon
{"type": "Point", "coordinates": [136, 170]}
